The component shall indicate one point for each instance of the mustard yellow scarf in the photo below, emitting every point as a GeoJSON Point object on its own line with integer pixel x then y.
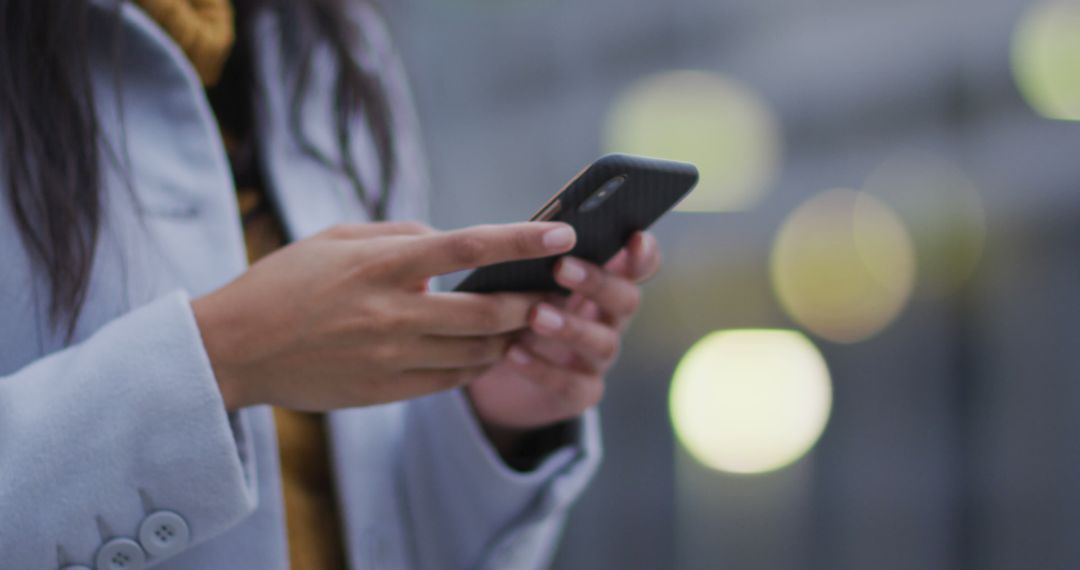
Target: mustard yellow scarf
{"type": "Point", "coordinates": [204, 29]}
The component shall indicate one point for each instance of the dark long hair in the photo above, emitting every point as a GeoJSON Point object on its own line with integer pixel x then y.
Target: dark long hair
{"type": "Point", "coordinates": [50, 137]}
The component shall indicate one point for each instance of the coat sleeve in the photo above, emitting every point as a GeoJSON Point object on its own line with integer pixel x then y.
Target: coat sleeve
{"type": "Point", "coordinates": [467, 509]}
{"type": "Point", "coordinates": [120, 447]}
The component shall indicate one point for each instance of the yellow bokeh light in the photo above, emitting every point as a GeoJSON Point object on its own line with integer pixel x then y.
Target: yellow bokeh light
{"type": "Point", "coordinates": [714, 122]}
{"type": "Point", "coordinates": [1046, 58]}
{"type": "Point", "coordinates": [843, 265]}
{"type": "Point", "coordinates": [944, 212]}
{"type": "Point", "coordinates": [750, 401]}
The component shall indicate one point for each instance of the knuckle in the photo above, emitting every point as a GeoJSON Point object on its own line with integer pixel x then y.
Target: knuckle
{"type": "Point", "coordinates": [466, 249]}
{"type": "Point", "coordinates": [360, 269]}
{"type": "Point", "coordinates": [359, 257]}
{"type": "Point", "coordinates": [523, 243]}
{"type": "Point", "coordinates": [487, 318]}
{"type": "Point", "coordinates": [415, 227]}
{"type": "Point", "coordinates": [608, 349]}
{"type": "Point", "coordinates": [575, 330]}
{"type": "Point", "coordinates": [383, 263]}
{"type": "Point", "coordinates": [353, 273]}
{"type": "Point", "coordinates": [337, 231]}
{"type": "Point", "coordinates": [494, 316]}
{"type": "Point", "coordinates": [385, 320]}
{"type": "Point", "coordinates": [386, 353]}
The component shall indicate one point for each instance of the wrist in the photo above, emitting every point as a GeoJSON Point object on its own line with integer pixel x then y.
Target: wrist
{"type": "Point", "coordinates": [523, 448]}
{"type": "Point", "coordinates": [212, 327]}
{"type": "Point", "coordinates": [504, 439]}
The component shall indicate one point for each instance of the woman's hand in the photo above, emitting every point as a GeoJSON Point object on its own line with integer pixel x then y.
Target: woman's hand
{"type": "Point", "coordinates": [345, 318]}
{"type": "Point", "coordinates": [556, 370]}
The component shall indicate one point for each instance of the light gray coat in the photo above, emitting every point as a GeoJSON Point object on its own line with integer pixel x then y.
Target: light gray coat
{"type": "Point", "coordinates": [117, 447]}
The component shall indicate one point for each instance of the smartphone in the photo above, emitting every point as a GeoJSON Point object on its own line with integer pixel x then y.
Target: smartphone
{"type": "Point", "coordinates": [606, 203]}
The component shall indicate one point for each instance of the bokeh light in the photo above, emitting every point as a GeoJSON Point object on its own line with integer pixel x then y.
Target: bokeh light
{"type": "Point", "coordinates": [750, 401]}
{"type": "Point", "coordinates": [944, 212]}
{"type": "Point", "coordinates": [1046, 58]}
{"type": "Point", "coordinates": [714, 122]}
{"type": "Point", "coordinates": [843, 265]}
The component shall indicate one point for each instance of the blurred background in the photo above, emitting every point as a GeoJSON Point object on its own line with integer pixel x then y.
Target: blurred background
{"type": "Point", "coordinates": [865, 349]}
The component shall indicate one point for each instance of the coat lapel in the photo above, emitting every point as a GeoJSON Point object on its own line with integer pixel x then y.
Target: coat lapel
{"type": "Point", "coordinates": [168, 142]}
{"type": "Point", "coordinates": [311, 195]}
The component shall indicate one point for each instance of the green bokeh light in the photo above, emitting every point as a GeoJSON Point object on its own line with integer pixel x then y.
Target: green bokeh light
{"type": "Point", "coordinates": [1046, 59]}
{"type": "Point", "coordinates": [717, 123]}
{"type": "Point", "coordinates": [843, 265]}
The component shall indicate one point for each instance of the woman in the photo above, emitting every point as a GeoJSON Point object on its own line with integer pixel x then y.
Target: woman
{"type": "Point", "coordinates": [164, 404]}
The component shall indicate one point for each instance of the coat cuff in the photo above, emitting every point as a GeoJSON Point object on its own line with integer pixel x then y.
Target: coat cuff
{"type": "Point", "coordinates": [451, 466]}
{"type": "Point", "coordinates": [462, 433]}
{"type": "Point", "coordinates": [134, 425]}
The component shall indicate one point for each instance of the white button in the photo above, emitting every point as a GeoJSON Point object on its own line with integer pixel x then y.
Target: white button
{"type": "Point", "coordinates": [120, 554]}
{"type": "Point", "coordinates": [163, 533]}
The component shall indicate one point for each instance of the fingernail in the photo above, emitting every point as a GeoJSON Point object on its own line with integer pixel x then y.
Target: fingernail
{"type": "Point", "coordinates": [519, 356]}
{"type": "Point", "coordinates": [571, 271]}
{"type": "Point", "coordinates": [646, 245]}
{"type": "Point", "coordinates": [548, 318]}
{"type": "Point", "coordinates": [559, 239]}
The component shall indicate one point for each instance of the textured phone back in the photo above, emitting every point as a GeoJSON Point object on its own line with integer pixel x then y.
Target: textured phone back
{"type": "Point", "coordinates": [652, 187]}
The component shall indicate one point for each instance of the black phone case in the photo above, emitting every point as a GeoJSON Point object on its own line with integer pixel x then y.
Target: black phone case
{"type": "Point", "coordinates": [652, 187]}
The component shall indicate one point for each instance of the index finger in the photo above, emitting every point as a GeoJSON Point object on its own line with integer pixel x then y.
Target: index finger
{"type": "Point", "coordinates": [477, 246]}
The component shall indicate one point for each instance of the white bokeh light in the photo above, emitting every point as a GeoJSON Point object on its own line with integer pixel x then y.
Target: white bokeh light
{"type": "Point", "coordinates": [750, 401]}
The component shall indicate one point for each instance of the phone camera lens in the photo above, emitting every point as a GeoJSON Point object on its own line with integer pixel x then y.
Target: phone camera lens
{"type": "Point", "coordinates": [603, 193]}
